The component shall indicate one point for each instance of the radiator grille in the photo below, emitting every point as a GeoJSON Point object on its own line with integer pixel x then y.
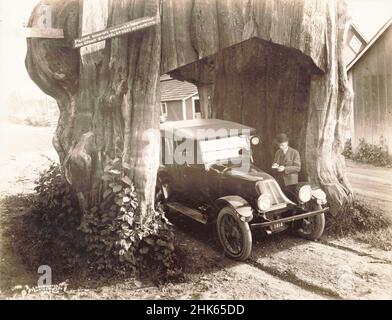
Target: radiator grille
{"type": "Point", "coordinates": [271, 188]}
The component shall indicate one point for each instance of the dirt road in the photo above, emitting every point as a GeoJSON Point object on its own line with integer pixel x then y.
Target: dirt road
{"type": "Point", "coordinates": [372, 183]}
{"type": "Point", "coordinates": [281, 266]}
{"type": "Point", "coordinates": [24, 151]}
{"type": "Point", "coordinates": [286, 267]}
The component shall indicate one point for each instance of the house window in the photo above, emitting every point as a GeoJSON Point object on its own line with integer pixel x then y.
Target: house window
{"type": "Point", "coordinates": [163, 109]}
{"type": "Point", "coordinates": [355, 44]}
{"type": "Point", "coordinates": [196, 108]}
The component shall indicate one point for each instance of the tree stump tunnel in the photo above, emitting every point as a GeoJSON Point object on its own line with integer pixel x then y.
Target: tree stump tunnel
{"type": "Point", "coordinates": [276, 65]}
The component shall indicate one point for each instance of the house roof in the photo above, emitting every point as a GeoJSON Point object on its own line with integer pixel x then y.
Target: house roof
{"type": "Point", "coordinates": [359, 33]}
{"type": "Point", "coordinates": [204, 128]}
{"type": "Point", "coordinates": [174, 90]}
{"type": "Point", "coordinates": [370, 44]}
{"type": "Point", "coordinates": [165, 77]}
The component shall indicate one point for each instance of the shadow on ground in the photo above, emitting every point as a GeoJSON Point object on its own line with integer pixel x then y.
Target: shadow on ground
{"type": "Point", "coordinates": [198, 249]}
{"type": "Point", "coordinates": [23, 251]}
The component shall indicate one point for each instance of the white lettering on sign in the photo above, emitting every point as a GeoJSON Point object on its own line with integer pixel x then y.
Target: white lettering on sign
{"type": "Point", "coordinates": [116, 31]}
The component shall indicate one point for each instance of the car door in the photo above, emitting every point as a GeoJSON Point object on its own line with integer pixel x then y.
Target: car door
{"type": "Point", "coordinates": [202, 185]}
{"type": "Point", "coordinates": [170, 168]}
{"type": "Point", "coordinates": [193, 177]}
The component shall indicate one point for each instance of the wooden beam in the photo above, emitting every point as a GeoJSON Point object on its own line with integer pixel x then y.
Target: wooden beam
{"type": "Point", "coordinates": [93, 16]}
{"type": "Point", "coordinates": [42, 27]}
{"type": "Point", "coordinates": [49, 33]}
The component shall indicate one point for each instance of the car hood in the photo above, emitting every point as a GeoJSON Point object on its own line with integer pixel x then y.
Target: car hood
{"type": "Point", "coordinates": [246, 183]}
{"type": "Point", "coordinates": [252, 174]}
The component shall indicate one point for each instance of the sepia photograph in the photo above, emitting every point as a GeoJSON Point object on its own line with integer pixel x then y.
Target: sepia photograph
{"type": "Point", "coordinates": [195, 150]}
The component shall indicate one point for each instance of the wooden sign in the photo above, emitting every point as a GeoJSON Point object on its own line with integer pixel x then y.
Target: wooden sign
{"type": "Point", "coordinates": [43, 27]}
{"type": "Point", "coordinates": [127, 27]}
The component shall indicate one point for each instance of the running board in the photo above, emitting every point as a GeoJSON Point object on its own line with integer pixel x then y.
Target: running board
{"type": "Point", "coordinates": [191, 213]}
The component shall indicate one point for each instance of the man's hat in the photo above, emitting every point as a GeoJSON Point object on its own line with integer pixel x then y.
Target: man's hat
{"type": "Point", "coordinates": [282, 137]}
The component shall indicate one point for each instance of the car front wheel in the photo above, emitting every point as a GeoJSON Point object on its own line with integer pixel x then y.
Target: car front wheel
{"type": "Point", "coordinates": [312, 228]}
{"type": "Point", "coordinates": [234, 235]}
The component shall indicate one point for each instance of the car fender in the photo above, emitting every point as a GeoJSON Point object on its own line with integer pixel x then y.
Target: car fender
{"type": "Point", "coordinates": [239, 204]}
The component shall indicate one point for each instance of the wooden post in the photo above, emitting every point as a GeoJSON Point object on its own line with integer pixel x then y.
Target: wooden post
{"type": "Point", "coordinates": [43, 28]}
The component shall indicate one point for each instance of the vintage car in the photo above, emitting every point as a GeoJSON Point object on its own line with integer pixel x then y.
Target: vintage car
{"type": "Point", "coordinates": [207, 173]}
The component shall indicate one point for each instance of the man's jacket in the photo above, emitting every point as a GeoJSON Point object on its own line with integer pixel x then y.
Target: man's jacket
{"type": "Point", "coordinates": [292, 163]}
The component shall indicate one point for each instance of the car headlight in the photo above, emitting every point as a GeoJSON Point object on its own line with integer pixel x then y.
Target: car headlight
{"type": "Point", "coordinates": [320, 196]}
{"type": "Point", "coordinates": [305, 194]}
{"type": "Point", "coordinates": [255, 140]}
{"type": "Point", "coordinates": [264, 202]}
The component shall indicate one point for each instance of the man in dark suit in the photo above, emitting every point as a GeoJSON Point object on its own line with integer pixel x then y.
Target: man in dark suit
{"type": "Point", "coordinates": [287, 162]}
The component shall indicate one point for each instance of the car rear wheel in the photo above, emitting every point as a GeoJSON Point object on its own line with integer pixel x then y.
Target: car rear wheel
{"type": "Point", "coordinates": [234, 235]}
{"type": "Point", "coordinates": [312, 228]}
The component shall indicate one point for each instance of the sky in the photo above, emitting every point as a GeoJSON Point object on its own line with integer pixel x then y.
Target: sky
{"type": "Point", "coordinates": [368, 15]}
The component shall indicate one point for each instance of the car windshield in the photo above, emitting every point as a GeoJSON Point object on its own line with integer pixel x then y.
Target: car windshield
{"type": "Point", "coordinates": [223, 149]}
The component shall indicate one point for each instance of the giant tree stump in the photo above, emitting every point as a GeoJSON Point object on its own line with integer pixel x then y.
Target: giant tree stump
{"type": "Point", "coordinates": [276, 65]}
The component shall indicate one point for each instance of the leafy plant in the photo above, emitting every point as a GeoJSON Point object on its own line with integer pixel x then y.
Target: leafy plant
{"type": "Point", "coordinates": [373, 154]}
{"type": "Point", "coordinates": [377, 155]}
{"type": "Point", "coordinates": [56, 218]}
{"type": "Point", "coordinates": [111, 235]}
{"type": "Point", "coordinates": [358, 217]}
{"type": "Point", "coordinates": [362, 221]}
{"type": "Point", "coordinates": [348, 149]}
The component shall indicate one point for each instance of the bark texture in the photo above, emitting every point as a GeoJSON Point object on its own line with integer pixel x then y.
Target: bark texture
{"type": "Point", "coordinates": [284, 73]}
{"type": "Point", "coordinates": [108, 95]}
{"type": "Point", "coordinates": [276, 65]}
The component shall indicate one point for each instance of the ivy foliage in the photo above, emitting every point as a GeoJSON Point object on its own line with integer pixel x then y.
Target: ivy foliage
{"type": "Point", "coordinates": [53, 226]}
{"type": "Point", "coordinates": [112, 235]}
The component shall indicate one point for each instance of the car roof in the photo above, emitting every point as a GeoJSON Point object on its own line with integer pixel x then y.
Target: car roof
{"type": "Point", "coordinates": [192, 128]}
